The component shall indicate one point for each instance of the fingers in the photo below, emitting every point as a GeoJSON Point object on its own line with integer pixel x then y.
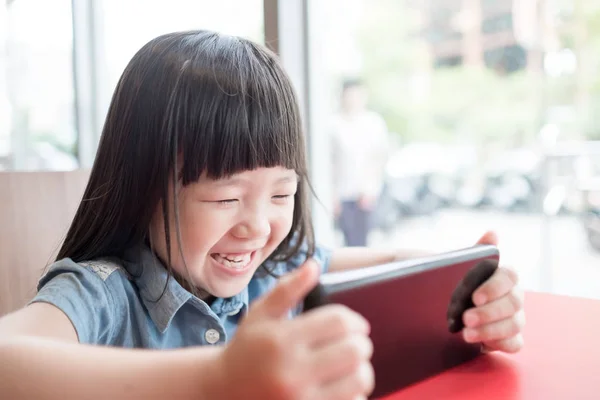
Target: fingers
{"type": "Point", "coordinates": [489, 237]}
{"type": "Point", "coordinates": [340, 346]}
{"type": "Point", "coordinates": [497, 310]}
{"type": "Point", "coordinates": [329, 323]}
{"type": "Point", "coordinates": [501, 283]}
{"type": "Point", "coordinates": [341, 358]}
{"type": "Point", "coordinates": [509, 345]}
{"type": "Point", "coordinates": [499, 330]}
{"type": "Point", "coordinates": [356, 386]}
{"type": "Point", "coordinates": [462, 296]}
{"type": "Point", "coordinates": [473, 279]}
{"type": "Point", "coordinates": [290, 290]}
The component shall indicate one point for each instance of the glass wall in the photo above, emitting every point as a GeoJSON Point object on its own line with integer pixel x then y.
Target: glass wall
{"type": "Point", "coordinates": [442, 118]}
{"type": "Point", "coordinates": [37, 108]}
{"type": "Point", "coordinates": [129, 24]}
{"type": "Point", "coordinates": [43, 108]}
{"type": "Point", "coordinates": [488, 109]}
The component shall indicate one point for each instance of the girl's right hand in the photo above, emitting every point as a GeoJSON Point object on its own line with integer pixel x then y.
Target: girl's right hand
{"type": "Point", "coordinates": [321, 354]}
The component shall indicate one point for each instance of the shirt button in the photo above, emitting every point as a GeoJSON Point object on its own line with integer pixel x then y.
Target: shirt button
{"type": "Point", "coordinates": [212, 336]}
{"type": "Point", "coordinates": [234, 312]}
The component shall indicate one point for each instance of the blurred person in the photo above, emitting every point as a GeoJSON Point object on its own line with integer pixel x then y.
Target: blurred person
{"type": "Point", "coordinates": [360, 148]}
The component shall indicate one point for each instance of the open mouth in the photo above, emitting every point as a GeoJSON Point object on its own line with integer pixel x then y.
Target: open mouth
{"type": "Point", "coordinates": [237, 261]}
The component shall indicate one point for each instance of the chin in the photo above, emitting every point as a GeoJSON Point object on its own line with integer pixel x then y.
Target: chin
{"type": "Point", "coordinates": [228, 290]}
{"type": "Point", "coordinates": [225, 287]}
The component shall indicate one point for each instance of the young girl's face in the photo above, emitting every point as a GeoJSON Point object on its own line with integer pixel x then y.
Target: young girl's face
{"type": "Point", "coordinates": [228, 227]}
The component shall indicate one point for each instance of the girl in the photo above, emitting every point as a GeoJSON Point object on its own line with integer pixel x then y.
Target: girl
{"type": "Point", "coordinates": [196, 204]}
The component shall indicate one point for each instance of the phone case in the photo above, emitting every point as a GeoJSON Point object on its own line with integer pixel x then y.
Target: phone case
{"type": "Point", "coordinates": [415, 310]}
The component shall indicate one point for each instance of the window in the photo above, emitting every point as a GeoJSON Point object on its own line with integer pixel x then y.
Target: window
{"type": "Point", "coordinates": [452, 61]}
{"type": "Point", "coordinates": [37, 109]}
{"type": "Point", "coordinates": [435, 35]}
{"type": "Point", "coordinates": [495, 6]}
{"type": "Point", "coordinates": [500, 23]}
{"type": "Point", "coordinates": [127, 27]}
{"type": "Point", "coordinates": [505, 139]}
{"type": "Point", "coordinates": [506, 59]}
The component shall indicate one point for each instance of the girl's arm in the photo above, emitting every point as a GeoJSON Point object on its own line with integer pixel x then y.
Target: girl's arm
{"type": "Point", "coordinates": [270, 356]}
{"type": "Point", "coordinates": [356, 257]}
{"type": "Point", "coordinates": [498, 318]}
{"type": "Point", "coordinates": [40, 358]}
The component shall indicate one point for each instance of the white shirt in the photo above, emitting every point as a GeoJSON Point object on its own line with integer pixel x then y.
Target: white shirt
{"type": "Point", "coordinates": [359, 152]}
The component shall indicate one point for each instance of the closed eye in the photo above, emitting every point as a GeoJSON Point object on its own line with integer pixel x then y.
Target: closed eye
{"type": "Point", "coordinates": [226, 201]}
{"type": "Point", "coordinates": [283, 198]}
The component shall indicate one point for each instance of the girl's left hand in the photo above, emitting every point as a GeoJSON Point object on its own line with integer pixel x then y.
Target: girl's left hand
{"type": "Point", "coordinates": [498, 317]}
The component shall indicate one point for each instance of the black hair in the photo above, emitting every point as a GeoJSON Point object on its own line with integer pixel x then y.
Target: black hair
{"type": "Point", "coordinates": [209, 103]}
{"type": "Point", "coordinates": [350, 83]}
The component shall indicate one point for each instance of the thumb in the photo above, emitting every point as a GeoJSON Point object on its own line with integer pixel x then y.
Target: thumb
{"type": "Point", "coordinates": [290, 290]}
{"type": "Point", "coordinates": [489, 237]}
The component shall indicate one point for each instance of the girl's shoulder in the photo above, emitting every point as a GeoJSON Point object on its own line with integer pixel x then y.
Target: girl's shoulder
{"type": "Point", "coordinates": [104, 268]}
{"type": "Point", "coordinates": [107, 270]}
{"type": "Point", "coordinates": [93, 294]}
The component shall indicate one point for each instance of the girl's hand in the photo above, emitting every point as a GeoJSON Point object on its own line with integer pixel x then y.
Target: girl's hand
{"type": "Point", "coordinates": [498, 316]}
{"type": "Point", "coordinates": [322, 354]}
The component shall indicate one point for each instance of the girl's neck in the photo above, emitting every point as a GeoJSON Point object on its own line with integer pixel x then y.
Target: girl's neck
{"type": "Point", "coordinates": [199, 293]}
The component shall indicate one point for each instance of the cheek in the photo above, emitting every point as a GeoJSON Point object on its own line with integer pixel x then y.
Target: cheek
{"type": "Point", "coordinates": [282, 223]}
{"type": "Point", "coordinates": [200, 228]}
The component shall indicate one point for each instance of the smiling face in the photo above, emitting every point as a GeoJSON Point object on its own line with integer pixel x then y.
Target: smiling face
{"type": "Point", "coordinates": [228, 227]}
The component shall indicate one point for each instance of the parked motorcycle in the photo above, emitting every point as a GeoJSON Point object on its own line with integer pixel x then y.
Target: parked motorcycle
{"type": "Point", "coordinates": [509, 181]}
{"type": "Point", "coordinates": [421, 179]}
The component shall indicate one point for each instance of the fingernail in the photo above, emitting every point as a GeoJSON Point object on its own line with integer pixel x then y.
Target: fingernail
{"type": "Point", "coordinates": [313, 264]}
{"type": "Point", "coordinates": [471, 319]}
{"type": "Point", "coordinates": [367, 326]}
{"type": "Point", "coordinates": [480, 299]}
{"type": "Point", "coordinates": [470, 335]}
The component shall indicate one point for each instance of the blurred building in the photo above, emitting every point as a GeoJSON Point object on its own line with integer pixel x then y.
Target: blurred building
{"type": "Point", "coordinates": [500, 34]}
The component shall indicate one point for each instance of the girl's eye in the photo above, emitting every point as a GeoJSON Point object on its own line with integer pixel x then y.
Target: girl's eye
{"type": "Point", "coordinates": [226, 202]}
{"type": "Point", "coordinates": [282, 197]}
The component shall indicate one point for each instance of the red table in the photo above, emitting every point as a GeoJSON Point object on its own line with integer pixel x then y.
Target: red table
{"type": "Point", "coordinates": [560, 360]}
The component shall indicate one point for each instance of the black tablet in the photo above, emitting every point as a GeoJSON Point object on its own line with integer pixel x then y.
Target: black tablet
{"type": "Point", "coordinates": [415, 310]}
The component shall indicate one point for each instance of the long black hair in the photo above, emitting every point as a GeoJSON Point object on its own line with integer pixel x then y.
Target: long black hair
{"type": "Point", "coordinates": [203, 101]}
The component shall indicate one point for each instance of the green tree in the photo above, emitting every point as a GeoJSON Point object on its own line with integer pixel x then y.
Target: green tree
{"type": "Point", "coordinates": [452, 104]}
{"type": "Point", "coordinates": [391, 55]}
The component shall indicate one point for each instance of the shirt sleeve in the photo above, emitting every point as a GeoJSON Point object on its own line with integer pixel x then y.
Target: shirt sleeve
{"type": "Point", "coordinates": [322, 256]}
{"type": "Point", "coordinates": [83, 296]}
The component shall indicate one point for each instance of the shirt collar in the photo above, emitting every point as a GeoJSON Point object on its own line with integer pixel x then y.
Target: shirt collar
{"type": "Point", "coordinates": [163, 296]}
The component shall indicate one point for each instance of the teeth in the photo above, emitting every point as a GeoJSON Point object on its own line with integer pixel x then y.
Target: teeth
{"type": "Point", "coordinates": [235, 262]}
{"type": "Point", "coordinates": [232, 258]}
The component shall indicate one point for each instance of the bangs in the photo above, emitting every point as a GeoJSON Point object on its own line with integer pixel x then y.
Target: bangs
{"type": "Point", "coordinates": [232, 110]}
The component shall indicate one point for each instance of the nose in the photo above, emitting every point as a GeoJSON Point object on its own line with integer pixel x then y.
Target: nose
{"type": "Point", "coordinates": [254, 226]}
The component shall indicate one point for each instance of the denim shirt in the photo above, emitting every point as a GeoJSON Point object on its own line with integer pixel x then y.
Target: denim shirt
{"type": "Point", "coordinates": [131, 302]}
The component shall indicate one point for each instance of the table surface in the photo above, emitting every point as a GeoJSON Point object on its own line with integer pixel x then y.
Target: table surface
{"type": "Point", "coordinates": [560, 360]}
